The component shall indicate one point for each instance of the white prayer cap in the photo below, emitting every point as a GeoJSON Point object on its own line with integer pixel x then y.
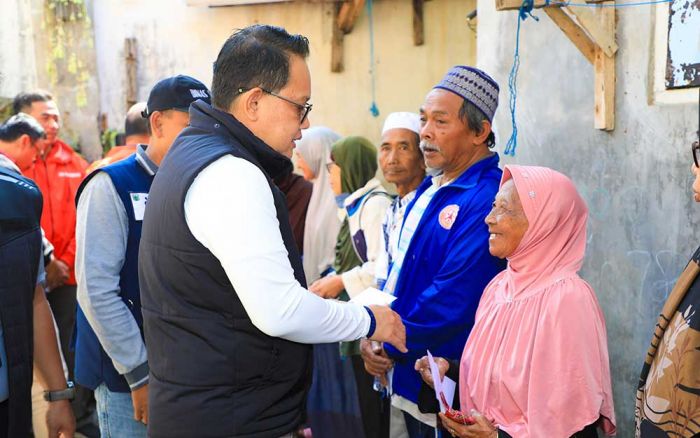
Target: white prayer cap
{"type": "Point", "coordinates": [405, 120]}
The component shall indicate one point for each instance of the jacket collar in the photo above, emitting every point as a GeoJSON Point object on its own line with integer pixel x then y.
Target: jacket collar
{"type": "Point", "coordinates": [60, 152]}
{"type": "Point", "coordinates": [208, 118]}
{"type": "Point", "coordinates": [470, 177]}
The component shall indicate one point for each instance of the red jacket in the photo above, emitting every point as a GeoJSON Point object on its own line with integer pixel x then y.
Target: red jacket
{"type": "Point", "coordinates": [58, 178]}
{"type": "Point", "coordinates": [117, 153]}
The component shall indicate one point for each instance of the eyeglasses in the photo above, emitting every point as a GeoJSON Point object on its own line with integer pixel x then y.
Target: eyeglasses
{"type": "Point", "coordinates": [303, 110]}
{"type": "Point", "coordinates": [696, 153]}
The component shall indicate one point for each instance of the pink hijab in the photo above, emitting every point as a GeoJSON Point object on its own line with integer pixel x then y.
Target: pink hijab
{"type": "Point", "coordinates": [536, 362]}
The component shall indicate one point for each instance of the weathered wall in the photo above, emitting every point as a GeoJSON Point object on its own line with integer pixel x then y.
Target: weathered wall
{"type": "Point", "coordinates": [636, 179]}
{"type": "Point", "coordinates": [175, 38]}
{"type": "Point", "coordinates": [17, 63]}
{"type": "Point", "coordinates": [28, 60]}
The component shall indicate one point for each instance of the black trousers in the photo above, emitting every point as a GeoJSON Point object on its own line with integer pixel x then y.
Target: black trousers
{"type": "Point", "coordinates": [63, 302]}
{"type": "Point", "coordinates": [375, 410]}
{"type": "Point", "coordinates": [3, 419]}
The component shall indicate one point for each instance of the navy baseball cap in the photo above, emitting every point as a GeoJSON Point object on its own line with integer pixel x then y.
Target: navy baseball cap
{"type": "Point", "coordinates": [177, 93]}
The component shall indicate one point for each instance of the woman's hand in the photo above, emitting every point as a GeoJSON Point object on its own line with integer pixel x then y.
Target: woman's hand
{"type": "Point", "coordinates": [327, 287]}
{"type": "Point", "coordinates": [482, 428]}
{"type": "Point", "coordinates": [423, 368]}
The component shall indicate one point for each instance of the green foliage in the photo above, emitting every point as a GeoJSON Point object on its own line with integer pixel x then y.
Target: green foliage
{"type": "Point", "coordinates": [108, 140]}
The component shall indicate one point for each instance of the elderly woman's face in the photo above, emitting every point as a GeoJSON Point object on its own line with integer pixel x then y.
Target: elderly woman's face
{"type": "Point", "coordinates": [507, 222]}
{"type": "Point", "coordinates": [696, 183]}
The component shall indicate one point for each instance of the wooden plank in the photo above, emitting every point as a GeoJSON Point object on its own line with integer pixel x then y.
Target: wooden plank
{"type": "Point", "coordinates": [337, 42]}
{"type": "Point", "coordinates": [418, 28]}
{"type": "Point", "coordinates": [601, 32]}
{"type": "Point", "coordinates": [575, 34]}
{"type": "Point", "coordinates": [605, 78]}
{"type": "Point", "coordinates": [349, 11]}
{"type": "Point", "coordinates": [514, 5]}
{"type": "Point", "coordinates": [130, 56]}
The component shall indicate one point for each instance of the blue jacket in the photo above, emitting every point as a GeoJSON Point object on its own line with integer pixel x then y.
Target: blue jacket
{"type": "Point", "coordinates": [444, 272]}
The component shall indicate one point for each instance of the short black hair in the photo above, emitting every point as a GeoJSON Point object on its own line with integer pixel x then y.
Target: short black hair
{"type": "Point", "coordinates": [256, 56]}
{"type": "Point", "coordinates": [472, 117]}
{"type": "Point", "coordinates": [19, 125]}
{"type": "Point", "coordinates": [22, 103]}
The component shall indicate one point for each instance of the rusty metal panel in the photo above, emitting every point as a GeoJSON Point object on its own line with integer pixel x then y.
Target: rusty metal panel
{"type": "Point", "coordinates": [683, 61]}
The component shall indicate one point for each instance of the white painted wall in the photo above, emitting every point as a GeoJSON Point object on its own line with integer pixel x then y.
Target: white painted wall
{"type": "Point", "coordinates": [17, 62]}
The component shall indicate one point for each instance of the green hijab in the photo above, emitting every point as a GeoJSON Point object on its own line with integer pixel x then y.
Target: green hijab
{"type": "Point", "coordinates": [357, 159]}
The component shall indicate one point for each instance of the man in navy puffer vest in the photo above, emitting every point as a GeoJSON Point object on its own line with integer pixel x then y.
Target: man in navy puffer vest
{"type": "Point", "coordinates": [110, 349]}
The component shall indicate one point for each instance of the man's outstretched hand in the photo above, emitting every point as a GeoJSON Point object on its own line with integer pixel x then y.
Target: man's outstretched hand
{"type": "Point", "coordinates": [389, 328]}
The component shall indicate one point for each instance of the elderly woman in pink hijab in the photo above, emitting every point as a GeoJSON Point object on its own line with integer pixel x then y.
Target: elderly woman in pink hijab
{"type": "Point", "coordinates": [536, 361]}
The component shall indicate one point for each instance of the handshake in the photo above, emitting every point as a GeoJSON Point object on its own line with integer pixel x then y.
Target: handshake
{"type": "Point", "coordinates": [389, 327]}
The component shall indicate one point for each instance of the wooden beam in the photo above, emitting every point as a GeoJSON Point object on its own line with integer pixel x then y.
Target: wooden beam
{"type": "Point", "coordinates": [130, 56]}
{"type": "Point", "coordinates": [418, 28]}
{"type": "Point", "coordinates": [605, 78]}
{"type": "Point", "coordinates": [514, 5]}
{"type": "Point", "coordinates": [575, 34]}
{"type": "Point", "coordinates": [337, 42]}
{"type": "Point", "coordinates": [349, 11]}
{"type": "Point", "coordinates": [600, 31]}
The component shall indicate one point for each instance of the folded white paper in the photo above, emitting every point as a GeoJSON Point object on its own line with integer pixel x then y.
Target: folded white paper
{"type": "Point", "coordinates": [446, 386]}
{"type": "Point", "coordinates": [373, 297]}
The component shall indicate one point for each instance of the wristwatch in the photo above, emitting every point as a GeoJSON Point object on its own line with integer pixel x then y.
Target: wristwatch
{"type": "Point", "coordinates": [64, 394]}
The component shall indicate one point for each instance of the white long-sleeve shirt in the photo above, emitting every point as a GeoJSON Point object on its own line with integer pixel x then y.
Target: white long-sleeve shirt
{"type": "Point", "coordinates": [230, 209]}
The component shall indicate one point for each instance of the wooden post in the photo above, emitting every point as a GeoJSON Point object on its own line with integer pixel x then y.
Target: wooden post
{"type": "Point", "coordinates": [337, 41]}
{"type": "Point", "coordinates": [418, 29]}
{"type": "Point", "coordinates": [590, 21]}
{"type": "Point", "coordinates": [130, 55]}
{"type": "Point", "coordinates": [348, 13]}
{"type": "Point", "coordinates": [605, 78]}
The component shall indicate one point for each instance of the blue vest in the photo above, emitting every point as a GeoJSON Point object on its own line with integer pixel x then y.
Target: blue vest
{"type": "Point", "coordinates": [92, 364]}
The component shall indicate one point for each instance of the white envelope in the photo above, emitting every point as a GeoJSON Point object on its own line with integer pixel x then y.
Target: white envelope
{"type": "Point", "coordinates": [446, 386]}
{"type": "Point", "coordinates": [373, 297]}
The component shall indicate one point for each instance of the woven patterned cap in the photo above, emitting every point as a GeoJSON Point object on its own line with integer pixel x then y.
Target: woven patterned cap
{"type": "Point", "coordinates": [474, 86]}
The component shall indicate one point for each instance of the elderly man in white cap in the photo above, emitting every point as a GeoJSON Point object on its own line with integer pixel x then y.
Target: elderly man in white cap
{"type": "Point", "coordinates": [402, 164]}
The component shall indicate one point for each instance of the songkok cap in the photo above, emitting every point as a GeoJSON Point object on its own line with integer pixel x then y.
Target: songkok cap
{"type": "Point", "coordinates": [404, 120]}
{"type": "Point", "coordinates": [176, 93]}
{"type": "Point", "coordinates": [474, 86]}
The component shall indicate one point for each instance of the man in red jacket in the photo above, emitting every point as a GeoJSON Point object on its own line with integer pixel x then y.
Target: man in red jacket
{"type": "Point", "coordinates": [58, 171]}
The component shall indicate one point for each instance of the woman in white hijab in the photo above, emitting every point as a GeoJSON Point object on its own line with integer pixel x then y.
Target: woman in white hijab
{"type": "Point", "coordinates": [322, 221]}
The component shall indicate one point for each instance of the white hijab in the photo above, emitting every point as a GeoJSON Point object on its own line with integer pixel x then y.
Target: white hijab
{"type": "Point", "coordinates": [322, 222]}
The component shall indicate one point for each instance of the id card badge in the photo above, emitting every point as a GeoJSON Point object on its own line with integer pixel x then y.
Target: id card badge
{"type": "Point", "coordinates": [138, 203]}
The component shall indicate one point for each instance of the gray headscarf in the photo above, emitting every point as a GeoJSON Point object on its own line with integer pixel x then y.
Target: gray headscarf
{"type": "Point", "coordinates": [322, 222]}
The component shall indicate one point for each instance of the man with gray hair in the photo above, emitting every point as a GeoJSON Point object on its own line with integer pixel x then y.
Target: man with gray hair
{"type": "Point", "coordinates": [442, 262]}
{"type": "Point", "coordinates": [136, 131]}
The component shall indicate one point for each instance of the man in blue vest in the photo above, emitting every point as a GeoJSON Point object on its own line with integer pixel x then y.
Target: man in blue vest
{"type": "Point", "coordinates": [110, 350]}
{"type": "Point", "coordinates": [25, 316]}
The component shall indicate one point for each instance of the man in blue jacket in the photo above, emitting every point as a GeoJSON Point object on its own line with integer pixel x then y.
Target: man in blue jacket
{"type": "Point", "coordinates": [110, 356]}
{"type": "Point", "coordinates": [443, 262]}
